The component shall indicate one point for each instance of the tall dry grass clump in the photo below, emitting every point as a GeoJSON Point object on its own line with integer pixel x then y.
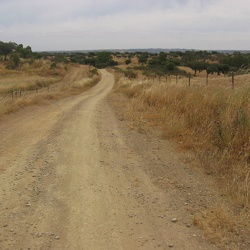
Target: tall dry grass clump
{"type": "Point", "coordinates": [212, 121]}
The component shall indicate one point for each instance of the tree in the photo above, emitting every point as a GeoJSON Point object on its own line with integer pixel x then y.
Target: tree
{"type": "Point", "coordinates": [128, 61]}
{"type": "Point", "coordinates": [143, 58]}
{"type": "Point", "coordinates": [26, 52]}
{"type": "Point", "coordinates": [90, 61]}
{"type": "Point", "coordinates": [104, 59]}
{"type": "Point", "coordinates": [7, 48]}
{"type": "Point", "coordinates": [14, 61]}
{"type": "Point", "coordinates": [217, 68]}
{"type": "Point", "coordinates": [211, 69]}
{"type": "Point", "coordinates": [170, 66]}
{"type": "Point", "coordinates": [236, 60]}
{"type": "Point", "coordinates": [197, 66]}
{"type": "Point", "coordinates": [223, 68]}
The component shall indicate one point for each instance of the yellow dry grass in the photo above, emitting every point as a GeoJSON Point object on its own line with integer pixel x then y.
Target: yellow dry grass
{"type": "Point", "coordinates": [37, 75]}
{"type": "Point", "coordinates": [211, 120]}
{"type": "Point", "coordinates": [39, 88]}
{"type": "Point", "coordinates": [218, 225]}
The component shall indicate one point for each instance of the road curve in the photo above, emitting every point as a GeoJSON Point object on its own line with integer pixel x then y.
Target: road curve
{"type": "Point", "coordinates": [70, 178]}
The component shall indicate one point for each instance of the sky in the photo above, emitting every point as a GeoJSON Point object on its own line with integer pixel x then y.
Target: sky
{"type": "Point", "coordinates": [125, 24]}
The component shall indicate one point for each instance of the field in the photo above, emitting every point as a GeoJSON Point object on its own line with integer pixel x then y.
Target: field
{"type": "Point", "coordinates": [212, 120]}
{"type": "Point", "coordinates": [38, 83]}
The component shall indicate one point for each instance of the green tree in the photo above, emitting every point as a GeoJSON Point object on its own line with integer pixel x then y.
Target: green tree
{"type": "Point", "coordinates": [7, 48]}
{"type": "Point", "coordinates": [128, 61]}
{"type": "Point", "coordinates": [14, 61]}
{"type": "Point", "coordinates": [211, 69]}
{"type": "Point", "coordinates": [90, 61]}
{"type": "Point", "coordinates": [237, 60]}
{"type": "Point", "coordinates": [104, 59]}
{"type": "Point", "coordinates": [24, 52]}
{"type": "Point", "coordinates": [197, 66]}
{"type": "Point", "coordinates": [143, 58]}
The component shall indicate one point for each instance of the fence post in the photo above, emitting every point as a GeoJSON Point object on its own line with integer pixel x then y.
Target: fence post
{"type": "Point", "coordinates": [207, 79]}
{"type": "Point", "coordinates": [189, 79]}
{"type": "Point", "coordinates": [232, 80]}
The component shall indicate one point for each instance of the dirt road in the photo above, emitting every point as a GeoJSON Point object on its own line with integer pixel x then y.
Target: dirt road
{"type": "Point", "coordinates": [73, 176]}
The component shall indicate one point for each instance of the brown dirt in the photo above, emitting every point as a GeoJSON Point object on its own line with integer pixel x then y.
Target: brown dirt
{"type": "Point", "coordinates": [74, 176]}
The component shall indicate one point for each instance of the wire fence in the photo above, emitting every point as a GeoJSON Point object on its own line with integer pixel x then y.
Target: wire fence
{"type": "Point", "coordinates": [11, 96]}
{"type": "Point", "coordinates": [227, 81]}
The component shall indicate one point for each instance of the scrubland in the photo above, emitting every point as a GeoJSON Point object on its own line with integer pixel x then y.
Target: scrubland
{"type": "Point", "coordinates": [213, 121]}
{"type": "Point", "coordinates": [210, 119]}
{"type": "Point", "coordinates": [39, 83]}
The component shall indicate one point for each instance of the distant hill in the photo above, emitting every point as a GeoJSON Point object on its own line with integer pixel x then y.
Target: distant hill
{"type": "Point", "coordinates": [149, 50]}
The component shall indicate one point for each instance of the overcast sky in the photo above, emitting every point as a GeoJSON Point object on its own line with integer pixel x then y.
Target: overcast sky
{"type": "Point", "coordinates": [124, 24]}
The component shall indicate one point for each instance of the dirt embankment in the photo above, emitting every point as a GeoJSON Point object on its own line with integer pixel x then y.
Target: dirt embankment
{"type": "Point", "coordinates": [73, 176]}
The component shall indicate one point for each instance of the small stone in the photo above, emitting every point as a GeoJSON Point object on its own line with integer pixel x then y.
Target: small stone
{"type": "Point", "coordinates": [188, 225]}
{"type": "Point", "coordinates": [57, 237]}
{"type": "Point", "coordinates": [174, 220]}
{"type": "Point", "coordinates": [170, 245]}
{"type": "Point", "coordinates": [28, 204]}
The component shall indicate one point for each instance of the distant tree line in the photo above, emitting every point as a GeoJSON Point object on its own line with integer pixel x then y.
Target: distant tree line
{"type": "Point", "coordinates": [14, 52]}
{"type": "Point", "coordinates": [100, 59]}
{"type": "Point", "coordinates": [212, 62]}
{"type": "Point", "coordinates": [152, 64]}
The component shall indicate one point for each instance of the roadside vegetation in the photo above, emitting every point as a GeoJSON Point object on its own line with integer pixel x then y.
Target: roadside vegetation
{"type": "Point", "coordinates": [204, 113]}
{"type": "Point", "coordinates": [28, 78]}
{"type": "Point", "coordinates": [199, 99]}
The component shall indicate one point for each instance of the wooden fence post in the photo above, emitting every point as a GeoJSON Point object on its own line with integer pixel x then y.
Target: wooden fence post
{"type": "Point", "coordinates": [207, 79]}
{"type": "Point", "coordinates": [232, 80]}
{"type": "Point", "coordinates": [189, 79]}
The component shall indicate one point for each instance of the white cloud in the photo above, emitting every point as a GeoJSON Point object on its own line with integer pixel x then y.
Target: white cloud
{"type": "Point", "coordinates": [76, 24]}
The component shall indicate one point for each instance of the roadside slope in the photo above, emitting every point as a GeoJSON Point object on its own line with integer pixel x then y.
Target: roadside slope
{"type": "Point", "coordinates": [74, 177]}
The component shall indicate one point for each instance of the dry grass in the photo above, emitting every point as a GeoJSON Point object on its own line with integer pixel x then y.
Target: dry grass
{"type": "Point", "coordinates": [30, 76]}
{"type": "Point", "coordinates": [212, 120]}
{"type": "Point", "coordinates": [73, 83]}
{"type": "Point", "coordinates": [218, 225]}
